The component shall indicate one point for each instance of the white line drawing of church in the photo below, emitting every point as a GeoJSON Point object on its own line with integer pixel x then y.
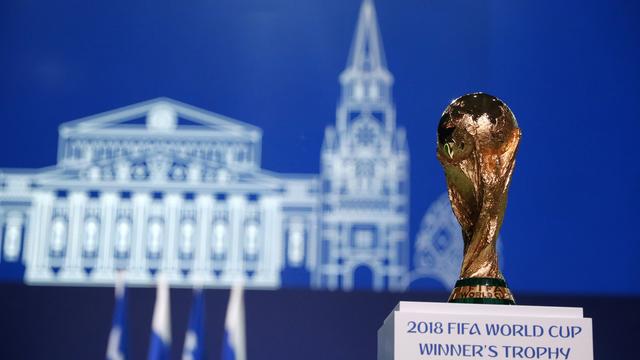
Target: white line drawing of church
{"type": "Point", "coordinates": [365, 173]}
{"type": "Point", "coordinates": [162, 186]}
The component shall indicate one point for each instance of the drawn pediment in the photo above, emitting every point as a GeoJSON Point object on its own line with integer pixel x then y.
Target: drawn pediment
{"type": "Point", "coordinates": [157, 116]}
{"type": "Point", "coordinates": [157, 126]}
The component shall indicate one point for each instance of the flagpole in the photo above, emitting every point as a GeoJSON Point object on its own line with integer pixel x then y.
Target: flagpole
{"type": "Point", "coordinates": [118, 345]}
{"type": "Point", "coordinates": [193, 348]}
{"type": "Point", "coordinates": [160, 342]}
{"type": "Point", "coordinates": [234, 344]}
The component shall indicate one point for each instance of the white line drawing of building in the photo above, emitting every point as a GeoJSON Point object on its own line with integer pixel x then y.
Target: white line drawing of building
{"type": "Point", "coordinates": [439, 245]}
{"type": "Point", "coordinates": [365, 174]}
{"type": "Point", "coordinates": [162, 186]}
{"type": "Point", "coordinates": [156, 186]}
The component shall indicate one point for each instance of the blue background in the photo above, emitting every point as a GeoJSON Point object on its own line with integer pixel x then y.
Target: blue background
{"type": "Point", "coordinates": [569, 71]}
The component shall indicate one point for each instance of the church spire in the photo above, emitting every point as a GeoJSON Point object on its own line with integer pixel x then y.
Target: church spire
{"type": "Point", "coordinates": [365, 164]}
{"type": "Point", "coordinates": [366, 56]}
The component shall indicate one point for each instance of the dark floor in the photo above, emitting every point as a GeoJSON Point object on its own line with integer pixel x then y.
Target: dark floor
{"type": "Point", "coordinates": [73, 323]}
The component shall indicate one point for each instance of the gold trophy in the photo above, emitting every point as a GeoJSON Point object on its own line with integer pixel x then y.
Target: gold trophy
{"type": "Point", "coordinates": [478, 138]}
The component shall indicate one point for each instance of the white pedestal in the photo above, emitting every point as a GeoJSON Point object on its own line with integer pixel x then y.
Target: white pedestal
{"type": "Point", "coordinates": [440, 331]}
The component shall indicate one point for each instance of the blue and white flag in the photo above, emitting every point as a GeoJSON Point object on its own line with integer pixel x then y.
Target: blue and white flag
{"type": "Point", "coordinates": [160, 343]}
{"type": "Point", "coordinates": [234, 346]}
{"type": "Point", "coordinates": [194, 339]}
{"type": "Point", "coordinates": [118, 346]}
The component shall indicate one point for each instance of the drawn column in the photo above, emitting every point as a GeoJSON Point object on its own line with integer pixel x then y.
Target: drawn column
{"type": "Point", "coordinates": [37, 254]}
{"type": "Point", "coordinates": [272, 239]}
{"type": "Point", "coordinates": [237, 209]}
{"type": "Point", "coordinates": [30, 243]}
{"type": "Point", "coordinates": [72, 270]}
{"type": "Point", "coordinates": [140, 202]}
{"type": "Point", "coordinates": [204, 206]}
{"type": "Point", "coordinates": [169, 266]}
{"type": "Point", "coordinates": [104, 267]}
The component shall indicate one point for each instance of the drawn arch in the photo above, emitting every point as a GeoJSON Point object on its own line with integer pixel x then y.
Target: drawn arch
{"type": "Point", "coordinates": [363, 277]}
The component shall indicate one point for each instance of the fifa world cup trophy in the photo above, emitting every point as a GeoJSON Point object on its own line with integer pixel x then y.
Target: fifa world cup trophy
{"type": "Point", "coordinates": [478, 138]}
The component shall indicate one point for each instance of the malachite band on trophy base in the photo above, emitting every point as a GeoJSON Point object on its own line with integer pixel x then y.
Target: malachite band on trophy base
{"type": "Point", "coordinates": [482, 291]}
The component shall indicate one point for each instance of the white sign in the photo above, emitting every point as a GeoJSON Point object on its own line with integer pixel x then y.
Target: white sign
{"type": "Point", "coordinates": [467, 331]}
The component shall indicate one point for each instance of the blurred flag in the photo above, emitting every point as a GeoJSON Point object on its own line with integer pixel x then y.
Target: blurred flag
{"type": "Point", "coordinates": [234, 346]}
{"type": "Point", "coordinates": [160, 343]}
{"type": "Point", "coordinates": [118, 346]}
{"type": "Point", "coordinates": [194, 339]}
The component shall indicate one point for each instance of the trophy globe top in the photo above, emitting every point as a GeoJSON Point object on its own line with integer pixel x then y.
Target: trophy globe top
{"type": "Point", "coordinates": [476, 122]}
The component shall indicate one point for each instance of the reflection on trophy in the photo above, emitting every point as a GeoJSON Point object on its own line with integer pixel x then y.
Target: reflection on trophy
{"type": "Point", "coordinates": [478, 138]}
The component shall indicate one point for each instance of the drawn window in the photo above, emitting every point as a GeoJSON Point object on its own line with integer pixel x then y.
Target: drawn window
{"type": "Point", "coordinates": [251, 239]}
{"type": "Point", "coordinates": [365, 169]}
{"type": "Point", "coordinates": [123, 236]}
{"type": "Point", "coordinates": [219, 238]}
{"type": "Point", "coordinates": [364, 236]}
{"type": "Point", "coordinates": [358, 91]}
{"type": "Point", "coordinates": [91, 232]}
{"type": "Point", "coordinates": [58, 235]}
{"type": "Point", "coordinates": [364, 239]}
{"type": "Point", "coordinates": [13, 236]}
{"type": "Point", "coordinates": [154, 245]}
{"type": "Point", "coordinates": [187, 231]}
{"type": "Point", "coordinates": [296, 244]}
{"type": "Point", "coordinates": [374, 91]}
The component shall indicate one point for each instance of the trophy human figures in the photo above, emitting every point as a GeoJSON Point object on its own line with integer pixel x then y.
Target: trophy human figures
{"type": "Point", "coordinates": [478, 138]}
